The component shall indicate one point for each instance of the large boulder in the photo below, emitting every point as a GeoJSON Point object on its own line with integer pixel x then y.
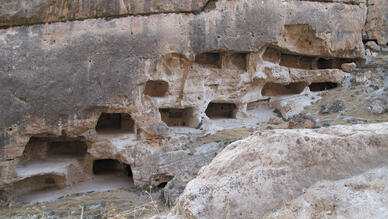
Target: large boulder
{"type": "Point", "coordinates": [256, 176]}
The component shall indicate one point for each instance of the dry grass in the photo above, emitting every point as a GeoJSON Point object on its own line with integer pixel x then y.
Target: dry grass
{"type": "Point", "coordinates": [115, 204]}
{"type": "Point", "coordinates": [147, 208]}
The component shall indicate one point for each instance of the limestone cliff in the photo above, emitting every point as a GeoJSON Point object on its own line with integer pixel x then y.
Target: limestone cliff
{"type": "Point", "coordinates": [139, 85]}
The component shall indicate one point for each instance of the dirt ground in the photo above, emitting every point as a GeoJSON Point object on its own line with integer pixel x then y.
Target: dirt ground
{"type": "Point", "coordinates": [120, 203]}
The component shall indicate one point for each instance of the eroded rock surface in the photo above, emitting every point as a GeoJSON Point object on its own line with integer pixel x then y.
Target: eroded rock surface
{"type": "Point", "coordinates": [376, 26]}
{"type": "Point", "coordinates": [143, 80]}
{"type": "Point", "coordinates": [153, 90]}
{"type": "Point", "coordinates": [363, 196]}
{"type": "Point", "coordinates": [22, 12]}
{"type": "Point", "coordinates": [254, 177]}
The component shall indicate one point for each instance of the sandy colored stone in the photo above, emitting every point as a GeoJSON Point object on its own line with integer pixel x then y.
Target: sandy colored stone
{"type": "Point", "coordinates": [348, 67]}
{"type": "Point", "coordinates": [373, 46]}
{"type": "Point", "coordinates": [377, 107]}
{"type": "Point", "coordinates": [376, 26]}
{"type": "Point", "coordinates": [59, 78]}
{"type": "Point", "coordinates": [136, 49]}
{"type": "Point", "coordinates": [362, 196]}
{"type": "Point", "coordinates": [254, 177]}
{"type": "Point", "coordinates": [22, 12]}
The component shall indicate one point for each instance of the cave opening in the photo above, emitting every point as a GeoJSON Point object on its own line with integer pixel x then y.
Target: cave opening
{"type": "Point", "coordinates": [364, 41]}
{"type": "Point", "coordinates": [111, 166]}
{"type": "Point", "coordinates": [221, 110]}
{"type": "Point", "coordinates": [271, 55]}
{"type": "Point", "coordinates": [3, 196]}
{"type": "Point", "coordinates": [161, 180]}
{"type": "Point", "coordinates": [162, 185]}
{"type": "Point", "coordinates": [296, 61]}
{"type": "Point", "coordinates": [156, 88]}
{"type": "Point", "coordinates": [42, 148]}
{"type": "Point", "coordinates": [113, 122]}
{"type": "Point", "coordinates": [276, 89]}
{"type": "Point", "coordinates": [76, 148]}
{"type": "Point", "coordinates": [323, 63]}
{"type": "Point", "coordinates": [176, 117]}
{"type": "Point", "coordinates": [322, 86]}
{"type": "Point", "coordinates": [326, 64]}
{"type": "Point", "coordinates": [212, 59]}
{"type": "Point", "coordinates": [39, 183]}
{"type": "Point", "coordinates": [289, 60]}
{"type": "Point", "coordinates": [44, 160]}
{"type": "Point", "coordinates": [239, 60]}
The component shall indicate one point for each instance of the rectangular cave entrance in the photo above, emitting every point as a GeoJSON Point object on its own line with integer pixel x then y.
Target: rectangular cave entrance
{"type": "Point", "coordinates": [296, 61]}
{"type": "Point", "coordinates": [322, 86]}
{"type": "Point", "coordinates": [335, 63]}
{"type": "Point", "coordinates": [330, 63]}
{"type": "Point", "coordinates": [156, 88]}
{"type": "Point", "coordinates": [42, 148]}
{"type": "Point", "coordinates": [271, 55]}
{"type": "Point", "coordinates": [276, 89]}
{"type": "Point", "coordinates": [115, 122]}
{"type": "Point", "coordinates": [221, 110]}
{"type": "Point", "coordinates": [39, 183]}
{"type": "Point", "coordinates": [50, 163]}
{"type": "Point", "coordinates": [212, 59]}
{"type": "Point", "coordinates": [239, 61]}
{"type": "Point", "coordinates": [176, 117]}
{"type": "Point", "coordinates": [111, 166]}
{"type": "Point", "coordinates": [289, 60]}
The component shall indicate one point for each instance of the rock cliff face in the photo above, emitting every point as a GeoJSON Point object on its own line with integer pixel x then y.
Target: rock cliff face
{"type": "Point", "coordinates": [136, 82]}
{"type": "Point", "coordinates": [377, 21]}
{"type": "Point", "coordinates": [22, 12]}
{"type": "Point", "coordinates": [254, 177]}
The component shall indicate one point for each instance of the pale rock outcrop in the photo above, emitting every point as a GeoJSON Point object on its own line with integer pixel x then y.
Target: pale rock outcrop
{"type": "Point", "coordinates": [348, 67]}
{"type": "Point", "coordinates": [377, 107]}
{"type": "Point", "coordinates": [363, 196]}
{"type": "Point", "coordinates": [372, 45]}
{"type": "Point", "coordinates": [254, 177]}
{"type": "Point", "coordinates": [376, 26]}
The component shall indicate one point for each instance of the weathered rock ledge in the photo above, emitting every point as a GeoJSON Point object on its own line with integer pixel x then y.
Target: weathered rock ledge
{"type": "Point", "coordinates": [27, 12]}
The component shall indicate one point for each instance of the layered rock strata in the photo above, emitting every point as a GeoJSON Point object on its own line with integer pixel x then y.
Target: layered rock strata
{"type": "Point", "coordinates": [126, 87]}
{"type": "Point", "coordinates": [24, 12]}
